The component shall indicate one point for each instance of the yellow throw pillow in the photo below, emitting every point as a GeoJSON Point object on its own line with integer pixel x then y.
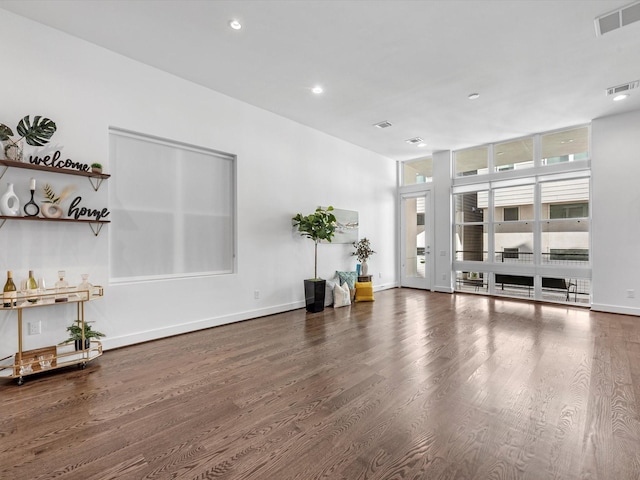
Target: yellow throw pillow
{"type": "Point", "coordinates": [364, 292]}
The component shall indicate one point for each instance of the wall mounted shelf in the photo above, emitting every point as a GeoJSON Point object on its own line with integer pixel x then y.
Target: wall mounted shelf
{"type": "Point", "coordinates": [96, 225]}
{"type": "Point", "coordinates": [94, 178]}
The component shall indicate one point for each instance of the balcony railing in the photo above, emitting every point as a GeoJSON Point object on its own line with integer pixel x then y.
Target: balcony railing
{"type": "Point", "coordinates": [553, 289]}
{"type": "Point", "coordinates": [555, 257]}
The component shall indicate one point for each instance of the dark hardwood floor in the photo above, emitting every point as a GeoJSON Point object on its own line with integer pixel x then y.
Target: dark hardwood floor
{"type": "Point", "coordinates": [417, 385]}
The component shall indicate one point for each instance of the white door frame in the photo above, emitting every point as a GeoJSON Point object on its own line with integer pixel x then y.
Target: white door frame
{"type": "Point", "coordinates": [425, 283]}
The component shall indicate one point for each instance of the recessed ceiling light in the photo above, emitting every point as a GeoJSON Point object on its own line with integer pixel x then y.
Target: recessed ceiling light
{"type": "Point", "coordinates": [473, 96]}
{"type": "Point", "coordinates": [235, 24]}
{"type": "Point", "coordinates": [384, 124]}
{"type": "Point", "coordinates": [414, 140]}
{"type": "Point", "coordinates": [317, 89]}
{"type": "Point", "coordinates": [622, 96]}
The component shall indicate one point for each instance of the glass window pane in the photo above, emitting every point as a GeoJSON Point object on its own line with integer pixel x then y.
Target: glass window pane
{"type": "Point", "coordinates": [565, 146]}
{"type": "Point", "coordinates": [415, 236]}
{"type": "Point", "coordinates": [565, 199]}
{"type": "Point", "coordinates": [471, 162]}
{"type": "Point", "coordinates": [571, 290]}
{"type": "Point", "coordinates": [470, 207]}
{"type": "Point", "coordinates": [519, 198]}
{"type": "Point", "coordinates": [514, 285]}
{"type": "Point", "coordinates": [513, 155]}
{"type": "Point", "coordinates": [565, 242]}
{"type": "Point", "coordinates": [511, 214]}
{"type": "Point", "coordinates": [580, 291]}
{"type": "Point", "coordinates": [471, 241]}
{"type": "Point", "coordinates": [471, 282]}
{"type": "Point", "coordinates": [514, 242]}
{"type": "Point", "coordinates": [569, 210]}
{"type": "Point", "coordinates": [555, 289]}
{"type": "Point", "coordinates": [417, 171]}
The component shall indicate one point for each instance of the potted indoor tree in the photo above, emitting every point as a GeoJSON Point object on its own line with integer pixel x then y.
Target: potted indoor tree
{"type": "Point", "coordinates": [75, 335]}
{"type": "Point", "coordinates": [319, 225]}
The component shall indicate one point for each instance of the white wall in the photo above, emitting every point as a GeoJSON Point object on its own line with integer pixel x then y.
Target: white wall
{"type": "Point", "coordinates": [615, 171]}
{"type": "Point", "coordinates": [283, 168]}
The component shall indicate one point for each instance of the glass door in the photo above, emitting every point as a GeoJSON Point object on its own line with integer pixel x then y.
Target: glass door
{"type": "Point", "coordinates": [416, 240]}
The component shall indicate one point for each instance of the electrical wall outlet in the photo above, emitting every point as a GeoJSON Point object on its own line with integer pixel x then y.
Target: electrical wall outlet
{"type": "Point", "coordinates": [35, 328]}
{"type": "Point", "coordinates": [256, 294]}
{"type": "Point", "coordinates": [631, 293]}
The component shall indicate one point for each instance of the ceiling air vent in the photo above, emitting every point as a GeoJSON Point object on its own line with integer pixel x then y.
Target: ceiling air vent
{"type": "Point", "coordinates": [384, 124]}
{"type": "Point", "coordinates": [623, 88]}
{"type": "Point", "coordinates": [619, 18]}
{"type": "Point", "coordinates": [414, 140]}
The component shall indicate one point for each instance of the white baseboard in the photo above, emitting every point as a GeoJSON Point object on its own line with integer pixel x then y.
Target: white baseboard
{"type": "Point", "coordinates": [384, 286]}
{"type": "Point", "coordinates": [601, 307]}
{"type": "Point", "coordinates": [443, 289]}
{"type": "Point", "coordinates": [146, 336]}
{"type": "Point", "coordinates": [139, 337]}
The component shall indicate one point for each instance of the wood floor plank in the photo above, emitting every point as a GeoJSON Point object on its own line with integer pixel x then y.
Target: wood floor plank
{"type": "Point", "coordinates": [415, 385]}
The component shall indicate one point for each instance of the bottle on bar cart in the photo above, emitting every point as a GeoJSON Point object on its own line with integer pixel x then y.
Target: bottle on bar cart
{"type": "Point", "coordinates": [32, 288]}
{"type": "Point", "coordinates": [62, 288]}
{"type": "Point", "coordinates": [10, 295]}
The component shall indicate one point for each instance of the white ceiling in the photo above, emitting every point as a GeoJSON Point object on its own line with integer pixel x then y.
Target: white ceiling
{"type": "Point", "coordinates": [538, 65]}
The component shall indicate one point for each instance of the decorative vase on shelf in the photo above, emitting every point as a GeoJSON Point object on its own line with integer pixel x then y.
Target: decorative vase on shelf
{"type": "Point", "coordinates": [364, 268]}
{"type": "Point", "coordinates": [13, 150]}
{"type": "Point", "coordinates": [9, 202]}
{"type": "Point", "coordinates": [51, 210]}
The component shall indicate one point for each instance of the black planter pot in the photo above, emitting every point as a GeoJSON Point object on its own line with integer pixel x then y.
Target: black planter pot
{"type": "Point", "coordinates": [314, 294]}
{"type": "Point", "coordinates": [78, 344]}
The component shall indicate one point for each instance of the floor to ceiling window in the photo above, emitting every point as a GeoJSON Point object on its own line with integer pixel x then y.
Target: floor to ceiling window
{"type": "Point", "coordinates": [522, 217]}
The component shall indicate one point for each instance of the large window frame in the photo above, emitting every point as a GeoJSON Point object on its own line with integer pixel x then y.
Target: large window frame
{"type": "Point", "coordinates": [539, 269]}
{"type": "Point", "coordinates": [174, 209]}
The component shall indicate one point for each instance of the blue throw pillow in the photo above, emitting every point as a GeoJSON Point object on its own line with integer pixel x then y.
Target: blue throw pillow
{"type": "Point", "coordinates": [349, 278]}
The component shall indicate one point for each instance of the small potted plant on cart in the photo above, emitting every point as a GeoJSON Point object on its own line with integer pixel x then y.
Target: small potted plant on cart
{"type": "Point", "coordinates": [75, 335]}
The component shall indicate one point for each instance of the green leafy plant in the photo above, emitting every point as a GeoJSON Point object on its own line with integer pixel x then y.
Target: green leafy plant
{"type": "Point", "coordinates": [96, 165]}
{"type": "Point", "coordinates": [75, 332]}
{"type": "Point", "coordinates": [36, 133]}
{"type": "Point", "coordinates": [319, 225]}
{"type": "Point", "coordinates": [363, 249]}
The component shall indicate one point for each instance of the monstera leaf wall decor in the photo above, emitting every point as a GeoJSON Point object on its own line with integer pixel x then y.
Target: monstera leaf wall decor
{"type": "Point", "coordinates": [36, 133]}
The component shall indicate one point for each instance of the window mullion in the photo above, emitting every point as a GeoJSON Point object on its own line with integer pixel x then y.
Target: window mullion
{"type": "Point", "coordinates": [491, 256]}
{"type": "Point", "coordinates": [537, 150]}
{"type": "Point", "coordinates": [537, 238]}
